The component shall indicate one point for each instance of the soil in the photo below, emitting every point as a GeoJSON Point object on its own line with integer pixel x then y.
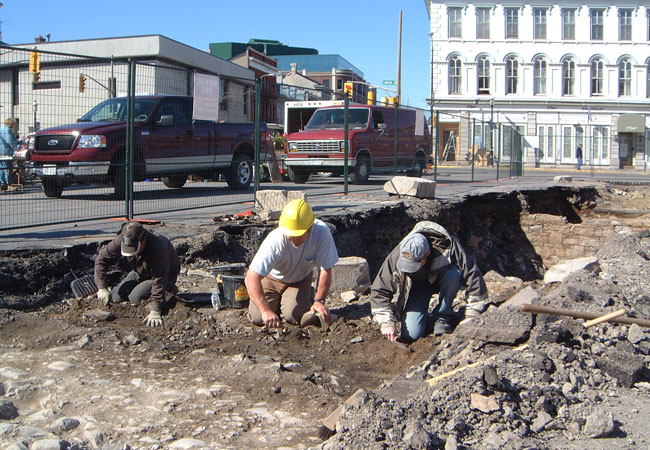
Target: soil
{"type": "Point", "coordinates": [80, 375]}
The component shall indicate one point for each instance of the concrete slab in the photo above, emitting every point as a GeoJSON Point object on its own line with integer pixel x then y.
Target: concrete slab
{"type": "Point", "coordinates": [414, 187]}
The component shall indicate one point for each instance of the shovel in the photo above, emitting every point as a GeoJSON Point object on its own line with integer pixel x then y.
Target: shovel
{"type": "Point", "coordinates": [83, 287]}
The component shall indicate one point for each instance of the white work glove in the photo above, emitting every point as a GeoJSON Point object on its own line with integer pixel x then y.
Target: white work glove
{"type": "Point", "coordinates": [153, 319]}
{"type": "Point", "coordinates": [104, 296]}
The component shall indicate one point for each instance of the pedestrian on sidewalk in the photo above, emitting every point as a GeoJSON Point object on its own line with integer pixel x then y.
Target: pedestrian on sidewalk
{"type": "Point", "coordinates": [579, 155]}
{"type": "Point", "coordinates": [8, 145]}
{"type": "Point", "coordinates": [279, 279]}
{"type": "Point", "coordinates": [427, 261]}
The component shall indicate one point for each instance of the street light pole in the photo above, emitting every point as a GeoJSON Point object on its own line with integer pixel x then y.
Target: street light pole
{"type": "Point", "coordinates": [1, 5]}
{"type": "Point", "coordinates": [35, 107]}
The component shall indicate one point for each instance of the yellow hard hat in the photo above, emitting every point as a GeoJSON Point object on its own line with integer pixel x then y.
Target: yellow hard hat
{"type": "Point", "coordinates": [297, 218]}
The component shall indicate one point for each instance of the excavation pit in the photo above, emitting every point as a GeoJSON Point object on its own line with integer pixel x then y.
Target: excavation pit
{"type": "Point", "coordinates": [212, 377]}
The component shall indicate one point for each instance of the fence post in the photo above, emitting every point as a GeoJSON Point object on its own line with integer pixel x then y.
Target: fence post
{"type": "Point", "coordinates": [472, 151]}
{"type": "Point", "coordinates": [435, 167]}
{"type": "Point", "coordinates": [258, 106]}
{"type": "Point", "coordinates": [346, 151]}
{"type": "Point", "coordinates": [499, 147]}
{"type": "Point", "coordinates": [395, 147]}
{"type": "Point", "coordinates": [130, 124]}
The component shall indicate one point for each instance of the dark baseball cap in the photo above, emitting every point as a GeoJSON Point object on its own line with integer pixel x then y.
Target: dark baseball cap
{"type": "Point", "coordinates": [132, 234]}
{"type": "Point", "coordinates": [412, 251]}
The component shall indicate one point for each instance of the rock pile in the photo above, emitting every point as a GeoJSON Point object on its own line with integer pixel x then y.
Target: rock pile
{"type": "Point", "coordinates": [514, 380]}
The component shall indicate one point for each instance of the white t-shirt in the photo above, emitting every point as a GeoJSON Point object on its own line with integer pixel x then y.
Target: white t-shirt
{"type": "Point", "coordinates": [280, 259]}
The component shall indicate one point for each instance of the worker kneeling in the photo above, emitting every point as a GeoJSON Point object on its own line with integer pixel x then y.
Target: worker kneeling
{"type": "Point", "coordinates": [154, 269]}
{"type": "Point", "coordinates": [427, 261]}
{"type": "Point", "coordinates": [279, 279]}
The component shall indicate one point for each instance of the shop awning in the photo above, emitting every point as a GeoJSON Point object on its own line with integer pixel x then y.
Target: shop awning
{"type": "Point", "coordinates": [631, 123]}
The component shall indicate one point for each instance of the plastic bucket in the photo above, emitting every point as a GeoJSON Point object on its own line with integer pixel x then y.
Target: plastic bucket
{"type": "Point", "coordinates": [234, 291]}
{"type": "Point", "coordinates": [230, 269]}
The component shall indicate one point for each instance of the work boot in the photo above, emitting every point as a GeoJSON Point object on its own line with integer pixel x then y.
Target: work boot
{"type": "Point", "coordinates": [310, 318]}
{"type": "Point", "coordinates": [441, 327]}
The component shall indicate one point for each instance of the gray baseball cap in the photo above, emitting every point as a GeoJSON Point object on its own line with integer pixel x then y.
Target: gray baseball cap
{"type": "Point", "coordinates": [132, 234]}
{"type": "Point", "coordinates": [412, 251]}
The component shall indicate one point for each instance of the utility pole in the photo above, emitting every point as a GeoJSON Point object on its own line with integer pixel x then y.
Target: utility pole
{"type": "Point", "coordinates": [399, 61]}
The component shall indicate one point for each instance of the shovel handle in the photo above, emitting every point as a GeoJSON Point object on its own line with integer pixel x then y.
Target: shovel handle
{"type": "Point", "coordinates": [581, 314]}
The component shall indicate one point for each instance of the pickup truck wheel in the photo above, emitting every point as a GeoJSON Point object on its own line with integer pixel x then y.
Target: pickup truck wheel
{"type": "Point", "coordinates": [52, 188]}
{"type": "Point", "coordinates": [241, 172]}
{"type": "Point", "coordinates": [361, 171]}
{"type": "Point", "coordinates": [298, 176]}
{"type": "Point", "coordinates": [175, 181]}
{"type": "Point", "coordinates": [119, 183]}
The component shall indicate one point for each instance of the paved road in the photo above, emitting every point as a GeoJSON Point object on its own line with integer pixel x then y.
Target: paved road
{"type": "Point", "coordinates": [325, 194]}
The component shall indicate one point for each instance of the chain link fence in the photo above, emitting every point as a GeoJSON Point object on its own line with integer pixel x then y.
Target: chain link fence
{"type": "Point", "coordinates": [116, 137]}
{"type": "Point", "coordinates": [103, 138]}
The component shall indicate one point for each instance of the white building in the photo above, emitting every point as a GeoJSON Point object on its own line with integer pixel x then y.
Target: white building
{"type": "Point", "coordinates": [563, 73]}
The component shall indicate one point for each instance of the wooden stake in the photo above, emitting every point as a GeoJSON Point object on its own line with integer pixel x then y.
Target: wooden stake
{"type": "Point", "coordinates": [605, 318]}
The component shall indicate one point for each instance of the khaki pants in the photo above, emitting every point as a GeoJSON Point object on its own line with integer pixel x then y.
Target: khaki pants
{"type": "Point", "coordinates": [289, 301]}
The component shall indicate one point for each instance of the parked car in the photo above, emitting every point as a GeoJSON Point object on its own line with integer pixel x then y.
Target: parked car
{"type": "Point", "coordinates": [371, 150]}
{"type": "Point", "coordinates": [167, 142]}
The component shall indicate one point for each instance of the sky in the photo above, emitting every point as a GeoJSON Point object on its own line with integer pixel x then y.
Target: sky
{"type": "Point", "coordinates": [364, 32]}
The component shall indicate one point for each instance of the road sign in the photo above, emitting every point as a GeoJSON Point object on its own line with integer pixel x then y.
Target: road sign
{"type": "Point", "coordinates": [389, 82]}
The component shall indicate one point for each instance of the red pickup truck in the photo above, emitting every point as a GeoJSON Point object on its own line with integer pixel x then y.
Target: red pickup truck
{"type": "Point", "coordinates": [371, 133]}
{"type": "Point", "coordinates": [167, 144]}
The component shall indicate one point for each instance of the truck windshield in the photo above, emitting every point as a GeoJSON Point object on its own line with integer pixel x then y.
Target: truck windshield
{"type": "Point", "coordinates": [114, 110]}
{"type": "Point", "coordinates": [332, 118]}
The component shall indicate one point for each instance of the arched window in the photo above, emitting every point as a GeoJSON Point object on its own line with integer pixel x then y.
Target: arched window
{"type": "Point", "coordinates": [512, 75]}
{"type": "Point", "coordinates": [597, 73]}
{"type": "Point", "coordinates": [483, 75]}
{"type": "Point", "coordinates": [625, 78]}
{"type": "Point", "coordinates": [455, 66]}
{"type": "Point", "coordinates": [539, 87]}
{"type": "Point", "coordinates": [568, 76]}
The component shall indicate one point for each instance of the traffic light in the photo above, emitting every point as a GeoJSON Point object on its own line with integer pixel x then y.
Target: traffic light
{"type": "Point", "coordinates": [347, 88]}
{"type": "Point", "coordinates": [371, 97]}
{"type": "Point", "coordinates": [82, 82]}
{"type": "Point", "coordinates": [34, 62]}
{"type": "Point", "coordinates": [37, 77]}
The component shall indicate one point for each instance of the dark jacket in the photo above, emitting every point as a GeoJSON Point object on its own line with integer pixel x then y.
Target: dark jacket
{"type": "Point", "coordinates": [157, 262]}
{"type": "Point", "coordinates": [390, 283]}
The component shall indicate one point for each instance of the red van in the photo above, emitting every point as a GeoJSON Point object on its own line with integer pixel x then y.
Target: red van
{"type": "Point", "coordinates": [371, 132]}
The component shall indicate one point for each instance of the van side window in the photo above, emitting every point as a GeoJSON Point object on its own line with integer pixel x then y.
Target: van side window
{"type": "Point", "coordinates": [377, 118]}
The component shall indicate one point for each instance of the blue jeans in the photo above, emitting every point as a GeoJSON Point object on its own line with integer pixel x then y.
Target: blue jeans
{"type": "Point", "coordinates": [414, 317]}
{"type": "Point", "coordinates": [579, 163]}
{"type": "Point", "coordinates": [4, 176]}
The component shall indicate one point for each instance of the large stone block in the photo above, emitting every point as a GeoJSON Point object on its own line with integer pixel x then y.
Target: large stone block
{"type": "Point", "coordinates": [414, 187]}
{"type": "Point", "coordinates": [350, 274]}
{"type": "Point", "coordinates": [505, 325]}
{"type": "Point", "coordinates": [275, 199]}
{"type": "Point", "coordinates": [626, 367]}
{"type": "Point", "coordinates": [559, 272]}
